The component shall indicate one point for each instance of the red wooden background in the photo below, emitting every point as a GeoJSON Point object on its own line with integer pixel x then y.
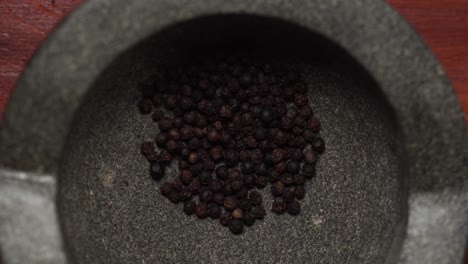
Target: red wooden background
{"type": "Point", "coordinates": [443, 24]}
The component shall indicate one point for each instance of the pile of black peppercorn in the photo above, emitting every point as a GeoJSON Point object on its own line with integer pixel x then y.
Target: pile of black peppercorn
{"type": "Point", "coordinates": [233, 125]}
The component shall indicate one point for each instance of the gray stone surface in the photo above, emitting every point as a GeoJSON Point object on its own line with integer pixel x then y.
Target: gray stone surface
{"type": "Point", "coordinates": [348, 215]}
{"type": "Point", "coordinates": [29, 230]}
{"type": "Point", "coordinates": [364, 177]}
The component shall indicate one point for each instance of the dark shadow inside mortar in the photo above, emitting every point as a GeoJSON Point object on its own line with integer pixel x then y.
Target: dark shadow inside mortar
{"type": "Point", "coordinates": [111, 211]}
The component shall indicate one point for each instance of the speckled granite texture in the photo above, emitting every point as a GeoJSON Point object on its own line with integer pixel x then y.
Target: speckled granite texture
{"type": "Point", "coordinates": [393, 158]}
{"type": "Point", "coordinates": [348, 215]}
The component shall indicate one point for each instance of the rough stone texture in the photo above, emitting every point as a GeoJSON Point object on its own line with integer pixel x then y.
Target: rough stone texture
{"type": "Point", "coordinates": [348, 215]}
{"type": "Point", "coordinates": [28, 221]}
{"type": "Point", "coordinates": [363, 229]}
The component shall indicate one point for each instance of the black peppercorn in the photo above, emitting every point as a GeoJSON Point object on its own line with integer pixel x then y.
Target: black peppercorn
{"type": "Point", "coordinates": [314, 124]}
{"type": "Point", "coordinates": [236, 226]}
{"type": "Point", "coordinates": [185, 194]}
{"type": "Point", "coordinates": [204, 177]}
{"type": "Point", "coordinates": [174, 197]}
{"type": "Point", "coordinates": [201, 210]}
{"type": "Point", "coordinates": [293, 167]}
{"type": "Point", "coordinates": [235, 175]}
{"type": "Point", "coordinates": [218, 199]}
{"type": "Point", "coordinates": [318, 145]}
{"type": "Point", "coordinates": [310, 157]}
{"type": "Point", "coordinates": [215, 185]}
{"type": "Point", "coordinates": [164, 157]}
{"type": "Point", "coordinates": [206, 195]}
{"type": "Point", "coordinates": [225, 138]}
{"type": "Point", "coordinates": [178, 122]}
{"type": "Point", "coordinates": [222, 172]}
{"type": "Point", "coordinates": [213, 136]}
{"type": "Point", "coordinates": [273, 175]}
{"type": "Point", "coordinates": [291, 113]}
{"type": "Point", "coordinates": [299, 179]}
{"type": "Point", "coordinates": [185, 103]}
{"type": "Point", "coordinates": [194, 144]}
{"type": "Point", "coordinates": [172, 146]}
{"type": "Point", "coordinates": [195, 186]}
{"type": "Point", "coordinates": [230, 203]}
{"type": "Point", "coordinates": [299, 121]}
{"type": "Point", "coordinates": [208, 164]}
{"type": "Point", "coordinates": [296, 154]}
{"type": "Point", "coordinates": [192, 158]}
{"type": "Point", "coordinates": [279, 206]}
{"type": "Point", "coordinates": [300, 99]}
{"type": "Point", "coordinates": [248, 218]}
{"type": "Point", "coordinates": [189, 207]}
{"type": "Point", "coordinates": [190, 117]}
{"type": "Point", "coordinates": [261, 169]}
{"type": "Point", "coordinates": [244, 107]}
{"type": "Point", "coordinates": [255, 198]}
{"type": "Point", "coordinates": [214, 211]}
{"type": "Point", "coordinates": [201, 122]}
{"type": "Point", "coordinates": [299, 192]}
{"type": "Point", "coordinates": [216, 153]}
{"type": "Point", "coordinates": [288, 195]}
{"type": "Point", "coordinates": [165, 124]}
{"type": "Point", "coordinates": [176, 185]}
{"type": "Point", "coordinates": [225, 218]}
{"type": "Point", "coordinates": [227, 188]}
{"type": "Point", "coordinates": [237, 185]}
{"type": "Point", "coordinates": [251, 142]}
{"type": "Point", "coordinates": [147, 148]}
{"type": "Point", "coordinates": [196, 168]}
{"type": "Point", "coordinates": [165, 189]}
{"type": "Point", "coordinates": [249, 181]}
{"type": "Point", "coordinates": [186, 133]}
{"type": "Point", "coordinates": [157, 114]}
{"type": "Point", "coordinates": [260, 133]}
{"type": "Point", "coordinates": [294, 207]}
{"type": "Point", "coordinates": [277, 188]}
{"type": "Point", "coordinates": [242, 193]}
{"type": "Point", "coordinates": [297, 130]}
{"type": "Point", "coordinates": [287, 179]}
{"type": "Point", "coordinates": [156, 170]}
{"type": "Point", "coordinates": [185, 176]}
{"type": "Point", "coordinates": [231, 158]}
{"type": "Point", "coordinates": [171, 101]}
{"type": "Point", "coordinates": [245, 204]}
{"type": "Point", "coordinates": [261, 182]}
{"type": "Point", "coordinates": [244, 155]}
{"type": "Point", "coordinates": [266, 116]}
{"type": "Point", "coordinates": [226, 111]}
{"type": "Point", "coordinates": [281, 167]}
{"type": "Point", "coordinates": [287, 122]}
{"type": "Point", "coordinates": [277, 155]}
{"type": "Point", "coordinates": [281, 138]}
{"type": "Point", "coordinates": [308, 135]}
{"type": "Point", "coordinates": [247, 167]}
{"type": "Point", "coordinates": [237, 213]}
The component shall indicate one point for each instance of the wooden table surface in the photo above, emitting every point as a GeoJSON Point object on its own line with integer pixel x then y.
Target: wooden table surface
{"type": "Point", "coordinates": [443, 24]}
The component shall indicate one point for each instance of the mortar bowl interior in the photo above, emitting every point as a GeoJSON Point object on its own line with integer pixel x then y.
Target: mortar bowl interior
{"type": "Point", "coordinates": [111, 211]}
